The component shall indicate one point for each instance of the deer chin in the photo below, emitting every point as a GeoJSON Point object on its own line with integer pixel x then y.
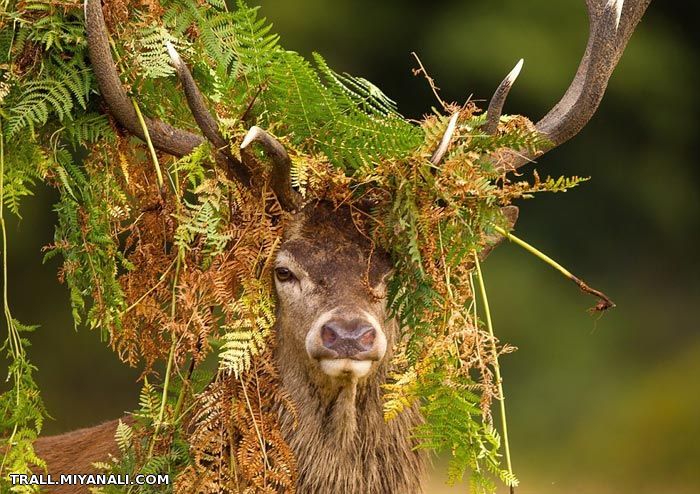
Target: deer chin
{"type": "Point", "coordinates": [346, 368]}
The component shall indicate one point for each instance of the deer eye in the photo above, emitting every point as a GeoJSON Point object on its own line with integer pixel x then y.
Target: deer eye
{"type": "Point", "coordinates": [284, 274]}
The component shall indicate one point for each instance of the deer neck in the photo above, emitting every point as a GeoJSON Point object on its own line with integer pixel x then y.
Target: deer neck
{"type": "Point", "coordinates": [339, 436]}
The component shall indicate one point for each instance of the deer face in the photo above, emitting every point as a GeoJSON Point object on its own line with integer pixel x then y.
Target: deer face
{"type": "Point", "coordinates": [331, 295]}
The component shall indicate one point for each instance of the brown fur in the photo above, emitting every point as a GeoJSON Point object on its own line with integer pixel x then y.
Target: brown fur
{"type": "Point", "coordinates": [341, 441]}
{"type": "Point", "coordinates": [76, 451]}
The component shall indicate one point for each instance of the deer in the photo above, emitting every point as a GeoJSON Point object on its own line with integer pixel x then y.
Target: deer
{"type": "Point", "coordinates": [335, 335]}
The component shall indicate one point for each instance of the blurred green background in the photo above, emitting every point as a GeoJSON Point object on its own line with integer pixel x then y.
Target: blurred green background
{"type": "Point", "coordinates": [596, 404]}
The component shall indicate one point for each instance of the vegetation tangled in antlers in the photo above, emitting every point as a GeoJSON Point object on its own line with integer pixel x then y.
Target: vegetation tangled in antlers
{"type": "Point", "coordinates": [167, 241]}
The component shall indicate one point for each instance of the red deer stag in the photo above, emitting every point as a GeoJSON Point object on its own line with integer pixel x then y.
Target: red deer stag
{"type": "Point", "coordinates": [334, 339]}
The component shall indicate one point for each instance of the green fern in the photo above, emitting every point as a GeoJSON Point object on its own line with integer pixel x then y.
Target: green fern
{"type": "Point", "coordinates": [89, 128]}
{"type": "Point", "coordinates": [124, 437]}
{"type": "Point", "coordinates": [462, 431]}
{"type": "Point", "coordinates": [88, 242]}
{"type": "Point", "coordinates": [57, 95]}
{"type": "Point", "coordinates": [201, 223]}
{"type": "Point", "coordinates": [149, 402]}
{"type": "Point", "coordinates": [245, 337]}
{"type": "Point", "coordinates": [153, 57]}
{"type": "Point", "coordinates": [27, 163]}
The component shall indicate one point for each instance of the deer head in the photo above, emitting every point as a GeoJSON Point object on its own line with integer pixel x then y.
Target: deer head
{"type": "Point", "coordinates": [330, 291]}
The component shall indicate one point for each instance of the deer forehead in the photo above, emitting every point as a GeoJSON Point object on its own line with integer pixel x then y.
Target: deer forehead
{"type": "Point", "coordinates": [323, 260]}
{"type": "Point", "coordinates": [325, 245]}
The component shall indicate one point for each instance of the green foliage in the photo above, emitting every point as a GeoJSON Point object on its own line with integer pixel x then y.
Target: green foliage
{"type": "Point", "coordinates": [438, 220]}
{"type": "Point", "coordinates": [149, 402]}
{"type": "Point", "coordinates": [132, 444]}
{"type": "Point", "coordinates": [561, 184]}
{"type": "Point", "coordinates": [33, 103]}
{"type": "Point", "coordinates": [201, 224]}
{"type": "Point", "coordinates": [245, 337]}
{"type": "Point", "coordinates": [86, 129]}
{"type": "Point", "coordinates": [86, 237]}
{"type": "Point", "coordinates": [152, 56]}
{"type": "Point", "coordinates": [22, 410]}
{"type": "Point", "coordinates": [27, 164]}
{"type": "Point", "coordinates": [462, 431]}
{"type": "Point", "coordinates": [347, 119]}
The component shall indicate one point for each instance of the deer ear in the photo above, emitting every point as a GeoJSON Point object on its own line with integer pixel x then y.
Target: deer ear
{"type": "Point", "coordinates": [510, 213]}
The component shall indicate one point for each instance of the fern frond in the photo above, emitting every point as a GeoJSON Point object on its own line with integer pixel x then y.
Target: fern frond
{"type": "Point", "coordinates": [124, 437]}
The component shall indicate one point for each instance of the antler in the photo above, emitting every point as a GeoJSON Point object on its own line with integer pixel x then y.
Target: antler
{"type": "Point", "coordinates": [164, 137]}
{"type": "Point", "coordinates": [439, 153]}
{"type": "Point", "coordinates": [205, 120]}
{"type": "Point", "coordinates": [611, 23]}
{"type": "Point", "coordinates": [494, 114]}
{"type": "Point", "coordinates": [281, 181]}
{"type": "Point", "coordinates": [611, 26]}
{"type": "Point", "coordinates": [499, 98]}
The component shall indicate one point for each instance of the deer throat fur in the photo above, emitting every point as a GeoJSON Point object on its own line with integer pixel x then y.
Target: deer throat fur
{"type": "Point", "coordinates": [342, 442]}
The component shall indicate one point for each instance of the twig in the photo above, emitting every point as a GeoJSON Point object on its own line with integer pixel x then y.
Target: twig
{"type": "Point", "coordinates": [430, 80]}
{"type": "Point", "coordinates": [604, 302]}
{"type": "Point", "coordinates": [260, 89]}
{"type": "Point", "coordinates": [150, 290]}
{"type": "Point", "coordinates": [185, 382]}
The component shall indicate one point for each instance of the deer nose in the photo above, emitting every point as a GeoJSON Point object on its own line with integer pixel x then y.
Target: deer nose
{"type": "Point", "coordinates": [348, 338]}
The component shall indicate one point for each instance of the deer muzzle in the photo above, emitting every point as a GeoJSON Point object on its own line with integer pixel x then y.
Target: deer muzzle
{"type": "Point", "coordinates": [346, 346]}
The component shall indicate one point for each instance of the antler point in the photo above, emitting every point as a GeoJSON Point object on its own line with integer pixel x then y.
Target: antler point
{"type": "Point", "coordinates": [616, 6]}
{"type": "Point", "coordinates": [445, 141]}
{"type": "Point", "coordinates": [516, 71]}
{"type": "Point", "coordinates": [251, 136]}
{"type": "Point", "coordinates": [174, 55]}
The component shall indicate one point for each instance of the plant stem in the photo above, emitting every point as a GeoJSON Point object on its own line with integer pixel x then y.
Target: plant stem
{"type": "Point", "coordinates": [173, 299]}
{"type": "Point", "coordinates": [154, 157]}
{"type": "Point", "coordinates": [430, 80]}
{"type": "Point", "coordinates": [497, 368]}
{"type": "Point", "coordinates": [604, 302]}
{"type": "Point", "coordinates": [13, 340]}
{"type": "Point", "coordinates": [171, 359]}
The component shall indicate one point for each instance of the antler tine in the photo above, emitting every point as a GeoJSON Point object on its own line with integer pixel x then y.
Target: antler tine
{"type": "Point", "coordinates": [611, 24]}
{"type": "Point", "coordinates": [281, 181]}
{"type": "Point", "coordinates": [164, 137]}
{"type": "Point", "coordinates": [439, 153]}
{"type": "Point", "coordinates": [499, 98]}
{"type": "Point", "coordinates": [205, 120]}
